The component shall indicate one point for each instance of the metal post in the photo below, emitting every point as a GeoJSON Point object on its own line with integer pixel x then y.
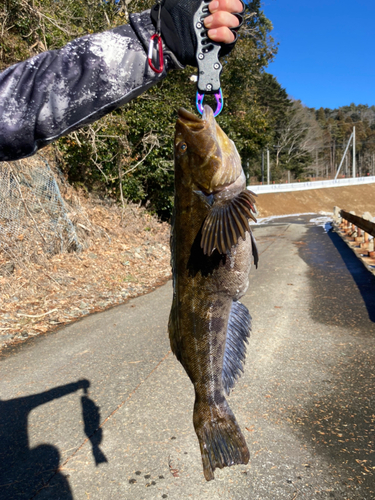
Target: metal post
{"type": "Point", "coordinates": [268, 166]}
{"type": "Point", "coordinates": [359, 169]}
{"type": "Point", "coordinates": [354, 172]}
{"type": "Point", "coordinates": [343, 156]}
{"type": "Point", "coordinates": [262, 166]}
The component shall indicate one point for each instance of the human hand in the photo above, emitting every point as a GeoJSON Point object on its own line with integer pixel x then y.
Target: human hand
{"type": "Point", "coordinates": [221, 20]}
{"type": "Point", "coordinates": [178, 30]}
{"type": "Point", "coordinates": [84, 384]}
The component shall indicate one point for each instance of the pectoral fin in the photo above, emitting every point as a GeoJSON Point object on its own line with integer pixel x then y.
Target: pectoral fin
{"type": "Point", "coordinates": [226, 222]}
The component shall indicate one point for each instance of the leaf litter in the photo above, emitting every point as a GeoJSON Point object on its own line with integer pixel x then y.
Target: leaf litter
{"type": "Point", "coordinates": [125, 254]}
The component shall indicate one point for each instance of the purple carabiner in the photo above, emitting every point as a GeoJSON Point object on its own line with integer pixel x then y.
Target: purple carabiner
{"type": "Point", "coordinates": [219, 102]}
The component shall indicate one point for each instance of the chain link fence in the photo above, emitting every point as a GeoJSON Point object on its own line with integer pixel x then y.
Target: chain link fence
{"type": "Point", "coordinates": [36, 222]}
{"type": "Point", "coordinates": [31, 205]}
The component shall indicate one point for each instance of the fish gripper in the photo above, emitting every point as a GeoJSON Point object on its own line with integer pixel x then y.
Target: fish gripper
{"type": "Point", "coordinates": [209, 66]}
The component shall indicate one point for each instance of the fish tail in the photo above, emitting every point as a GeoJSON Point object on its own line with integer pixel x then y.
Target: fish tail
{"type": "Point", "coordinates": [221, 441]}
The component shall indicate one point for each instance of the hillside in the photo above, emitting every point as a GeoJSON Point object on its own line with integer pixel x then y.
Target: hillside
{"type": "Point", "coordinates": [358, 198]}
{"type": "Point", "coordinates": [125, 254]}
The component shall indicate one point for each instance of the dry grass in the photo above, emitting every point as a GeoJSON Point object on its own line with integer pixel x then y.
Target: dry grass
{"type": "Point", "coordinates": [125, 254]}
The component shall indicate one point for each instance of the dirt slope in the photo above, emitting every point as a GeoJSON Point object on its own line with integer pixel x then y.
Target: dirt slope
{"type": "Point", "coordinates": [127, 255]}
{"type": "Point", "coordinates": [358, 198]}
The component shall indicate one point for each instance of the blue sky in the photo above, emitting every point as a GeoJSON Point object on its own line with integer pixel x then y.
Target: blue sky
{"type": "Point", "coordinates": [326, 51]}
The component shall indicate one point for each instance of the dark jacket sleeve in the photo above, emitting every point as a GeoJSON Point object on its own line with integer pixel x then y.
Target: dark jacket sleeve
{"type": "Point", "coordinates": [59, 91]}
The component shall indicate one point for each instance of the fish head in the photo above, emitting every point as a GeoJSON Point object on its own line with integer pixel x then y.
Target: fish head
{"type": "Point", "coordinates": [205, 158]}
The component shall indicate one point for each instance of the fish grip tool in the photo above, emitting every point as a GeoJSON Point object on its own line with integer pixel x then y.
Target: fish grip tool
{"type": "Point", "coordinates": [209, 66]}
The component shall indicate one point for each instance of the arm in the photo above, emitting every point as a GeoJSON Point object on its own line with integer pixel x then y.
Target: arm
{"type": "Point", "coordinates": [58, 91]}
{"type": "Point", "coordinates": [57, 392]}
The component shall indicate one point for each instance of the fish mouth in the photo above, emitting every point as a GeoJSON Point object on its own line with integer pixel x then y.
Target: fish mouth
{"type": "Point", "coordinates": [208, 114]}
{"type": "Point", "coordinates": [186, 116]}
{"type": "Point", "coordinates": [195, 122]}
{"type": "Point", "coordinates": [190, 120]}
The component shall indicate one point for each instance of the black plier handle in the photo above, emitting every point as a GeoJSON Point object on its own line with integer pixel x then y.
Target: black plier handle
{"type": "Point", "coordinates": [209, 66]}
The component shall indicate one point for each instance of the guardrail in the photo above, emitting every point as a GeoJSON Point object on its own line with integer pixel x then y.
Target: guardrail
{"type": "Point", "coordinates": [301, 186]}
{"type": "Point", "coordinates": [359, 232]}
{"type": "Point", "coordinates": [359, 222]}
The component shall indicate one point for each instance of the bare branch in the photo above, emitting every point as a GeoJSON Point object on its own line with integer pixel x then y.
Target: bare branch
{"type": "Point", "coordinates": [140, 162]}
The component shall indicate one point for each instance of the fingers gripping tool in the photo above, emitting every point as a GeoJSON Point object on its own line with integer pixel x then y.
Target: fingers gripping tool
{"type": "Point", "coordinates": [209, 66]}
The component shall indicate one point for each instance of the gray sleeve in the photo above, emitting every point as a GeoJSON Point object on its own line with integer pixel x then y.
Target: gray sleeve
{"type": "Point", "coordinates": [59, 91]}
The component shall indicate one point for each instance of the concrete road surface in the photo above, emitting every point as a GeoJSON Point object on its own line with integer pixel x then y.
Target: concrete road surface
{"type": "Point", "coordinates": [102, 410]}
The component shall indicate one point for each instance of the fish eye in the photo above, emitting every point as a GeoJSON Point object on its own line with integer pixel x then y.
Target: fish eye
{"type": "Point", "coordinates": [182, 147]}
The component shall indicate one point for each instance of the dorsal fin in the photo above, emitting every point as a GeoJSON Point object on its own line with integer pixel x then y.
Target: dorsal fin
{"type": "Point", "coordinates": [238, 332]}
{"type": "Point", "coordinates": [226, 222]}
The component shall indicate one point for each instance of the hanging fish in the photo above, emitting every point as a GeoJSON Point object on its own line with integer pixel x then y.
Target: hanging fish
{"type": "Point", "coordinates": [212, 247]}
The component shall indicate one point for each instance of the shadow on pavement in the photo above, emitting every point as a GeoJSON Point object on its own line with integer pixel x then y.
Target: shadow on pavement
{"type": "Point", "coordinates": [91, 418]}
{"type": "Point", "coordinates": [25, 471]}
{"type": "Point", "coordinates": [335, 275]}
{"type": "Point", "coordinates": [364, 280]}
{"type": "Point", "coordinates": [339, 422]}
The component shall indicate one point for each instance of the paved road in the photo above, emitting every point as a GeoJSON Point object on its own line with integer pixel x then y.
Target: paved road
{"type": "Point", "coordinates": [305, 403]}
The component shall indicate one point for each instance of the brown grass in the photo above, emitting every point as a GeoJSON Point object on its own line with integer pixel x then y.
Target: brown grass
{"type": "Point", "coordinates": [125, 254]}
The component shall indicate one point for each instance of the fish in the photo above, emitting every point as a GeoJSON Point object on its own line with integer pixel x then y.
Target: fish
{"type": "Point", "coordinates": [212, 248]}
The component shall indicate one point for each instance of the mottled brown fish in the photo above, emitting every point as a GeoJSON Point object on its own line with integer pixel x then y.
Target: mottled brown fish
{"type": "Point", "coordinates": [212, 248]}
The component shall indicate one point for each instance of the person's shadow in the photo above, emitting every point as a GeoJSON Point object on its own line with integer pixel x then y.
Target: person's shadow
{"type": "Point", "coordinates": [25, 471]}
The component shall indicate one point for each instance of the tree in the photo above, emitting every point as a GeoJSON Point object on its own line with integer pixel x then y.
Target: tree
{"type": "Point", "coordinates": [336, 130]}
{"type": "Point", "coordinates": [273, 99]}
{"type": "Point", "coordinates": [140, 170]}
{"type": "Point", "coordinates": [296, 139]}
{"type": "Point", "coordinates": [129, 153]}
{"type": "Point", "coordinates": [321, 116]}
